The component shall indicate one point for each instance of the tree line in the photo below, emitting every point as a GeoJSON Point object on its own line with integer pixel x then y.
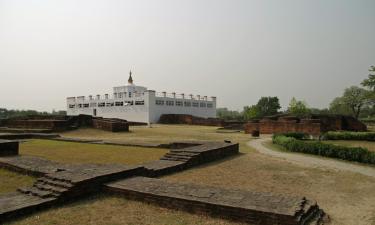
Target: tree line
{"type": "Point", "coordinates": [11, 113]}
{"type": "Point", "coordinates": [355, 101]}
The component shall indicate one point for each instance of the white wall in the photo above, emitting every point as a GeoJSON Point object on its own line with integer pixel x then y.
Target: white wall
{"type": "Point", "coordinates": [147, 113]}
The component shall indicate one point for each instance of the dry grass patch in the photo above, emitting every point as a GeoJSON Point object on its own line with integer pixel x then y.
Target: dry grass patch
{"type": "Point", "coordinates": [10, 181]}
{"type": "Point", "coordinates": [364, 144]}
{"type": "Point", "coordinates": [115, 210]}
{"type": "Point", "coordinates": [347, 197]}
{"type": "Point", "coordinates": [71, 152]}
{"type": "Point", "coordinates": [160, 134]}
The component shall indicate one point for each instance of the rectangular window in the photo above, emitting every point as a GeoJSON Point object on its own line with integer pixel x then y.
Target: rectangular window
{"type": "Point", "coordinates": [119, 103]}
{"type": "Point", "coordinates": [101, 104]}
{"type": "Point", "coordinates": [210, 105]}
{"type": "Point", "coordinates": [187, 104]}
{"type": "Point", "coordinates": [195, 104]}
{"type": "Point", "coordinates": [139, 102]}
{"type": "Point", "coordinates": [109, 104]}
{"type": "Point", "coordinates": [178, 103]}
{"type": "Point", "coordinates": [170, 103]}
{"type": "Point", "coordinates": [79, 105]}
{"type": "Point", "coordinates": [202, 105]}
{"type": "Point", "coordinates": [130, 94]}
{"type": "Point", "coordinates": [159, 102]}
{"type": "Point", "coordinates": [71, 106]}
{"type": "Point", "coordinates": [93, 104]}
{"type": "Point", "coordinates": [86, 105]}
{"type": "Point", "coordinates": [128, 103]}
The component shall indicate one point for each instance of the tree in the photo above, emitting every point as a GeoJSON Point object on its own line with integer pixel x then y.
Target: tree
{"type": "Point", "coordinates": [370, 81]}
{"type": "Point", "coordinates": [356, 98]}
{"type": "Point", "coordinates": [268, 106]}
{"type": "Point", "coordinates": [251, 112]}
{"type": "Point", "coordinates": [338, 106]}
{"type": "Point", "coordinates": [225, 114]}
{"type": "Point", "coordinates": [298, 108]}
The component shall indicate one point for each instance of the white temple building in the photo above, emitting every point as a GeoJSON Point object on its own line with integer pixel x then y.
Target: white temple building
{"type": "Point", "coordinates": [137, 104]}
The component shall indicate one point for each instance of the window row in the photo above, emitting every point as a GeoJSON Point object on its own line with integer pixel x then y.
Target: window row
{"type": "Point", "coordinates": [106, 104]}
{"type": "Point", "coordinates": [186, 104]}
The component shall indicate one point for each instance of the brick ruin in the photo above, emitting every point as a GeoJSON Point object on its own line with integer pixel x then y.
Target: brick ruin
{"type": "Point", "coordinates": [315, 125]}
{"type": "Point", "coordinates": [193, 120]}
{"type": "Point", "coordinates": [59, 182]}
{"type": "Point", "coordinates": [47, 124]}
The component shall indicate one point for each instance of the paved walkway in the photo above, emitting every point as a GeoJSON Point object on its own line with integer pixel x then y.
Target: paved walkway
{"type": "Point", "coordinates": [311, 161]}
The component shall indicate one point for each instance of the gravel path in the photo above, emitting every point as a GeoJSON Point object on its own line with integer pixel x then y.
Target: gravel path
{"type": "Point", "coordinates": [309, 161]}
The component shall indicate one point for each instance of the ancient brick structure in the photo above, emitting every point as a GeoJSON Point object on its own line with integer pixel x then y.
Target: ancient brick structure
{"type": "Point", "coordinates": [189, 119]}
{"type": "Point", "coordinates": [113, 125]}
{"type": "Point", "coordinates": [59, 182]}
{"type": "Point", "coordinates": [8, 148]}
{"type": "Point", "coordinates": [246, 206]}
{"type": "Point", "coordinates": [315, 125]}
{"type": "Point", "coordinates": [62, 123]}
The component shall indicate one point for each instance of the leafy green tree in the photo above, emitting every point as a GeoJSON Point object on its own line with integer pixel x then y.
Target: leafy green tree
{"type": "Point", "coordinates": [298, 108]}
{"type": "Point", "coordinates": [356, 98]}
{"type": "Point", "coordinates": [251, 112]}
{"type": "Point", "coordinates": [338, 106]}
{"type": "Point", "coordinates": [225, 114]}
{"type": "Point", "coordinates": [268, 106]}
{"type": "Point", "coordinates": [370, 81]}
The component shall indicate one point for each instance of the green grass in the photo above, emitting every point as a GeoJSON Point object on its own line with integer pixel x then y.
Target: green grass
{"type": "Point", "coordinates": [71, 152]}
{"type": "Point", "coordinates": [10, 181]}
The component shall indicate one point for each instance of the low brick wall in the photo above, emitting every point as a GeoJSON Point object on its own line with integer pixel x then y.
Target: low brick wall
{"type": "Point", "coordinates": [111, 125]}
{"type": "Point", "coordinates": [315, 125]}
{"type": "Point", "coordinates": [8, 148]}
{"type": "Point", "coordinates": [56, 125]}
{"type": "Point", "coordinates": [244, 206]}
{"type": "Point", "coordinates": [189, 119]}
{"type": "Point", "coordinates": [271, 127]}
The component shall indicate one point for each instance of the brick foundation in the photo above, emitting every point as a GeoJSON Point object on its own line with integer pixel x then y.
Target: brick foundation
{"type": "Point", "coordinates": [313, 126]}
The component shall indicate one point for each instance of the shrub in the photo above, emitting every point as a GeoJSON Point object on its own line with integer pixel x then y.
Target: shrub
{"type": "Point", "coordinates": [356, 154]}
{"type": "Point", "coordinates": [296, 135]}
{"type": "Point", "coordinates": [347, 135]}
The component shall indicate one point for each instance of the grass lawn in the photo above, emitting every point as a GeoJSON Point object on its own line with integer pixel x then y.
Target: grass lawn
{"type": "Point", "coordinates": [347, 197]}
{"type": "Point", "coordinates": [364, 144]}
{"type": "Point", "coordinates": [71, 152]}
{"type": "Point", "coordinates": [10, 181]}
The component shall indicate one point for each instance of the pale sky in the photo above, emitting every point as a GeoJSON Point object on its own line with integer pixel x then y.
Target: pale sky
{"type": "Point", "coordinates": [237, 50]}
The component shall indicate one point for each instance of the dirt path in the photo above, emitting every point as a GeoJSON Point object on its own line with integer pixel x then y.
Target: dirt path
{"type": "Point", "coordinates": [306, 160]}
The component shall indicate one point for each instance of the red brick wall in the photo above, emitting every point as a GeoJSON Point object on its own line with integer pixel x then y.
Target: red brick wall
{"type": "Point", "coordinates": [276, 126]}
{"type": "Point", "coordinates": [110, 125]}
{"type": "Point", "coordinates": [315, 126]}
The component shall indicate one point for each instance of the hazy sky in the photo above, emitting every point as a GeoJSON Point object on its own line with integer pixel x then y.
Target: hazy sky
{"type": "Point", "coordinates": [233, 49]}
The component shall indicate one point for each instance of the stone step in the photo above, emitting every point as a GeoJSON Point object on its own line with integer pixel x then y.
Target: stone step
{"type": "Point", "coordinates": [47, 187]}
{"type": "Point", "coordinates": [173, 159]}
{"type": "Point", "coordinates": [50, 177]}
{"type": "Point", "coordinates": [37, 192]}
{"type": "Point", "coordinates": [62, 184]}
{"type": "Point", "coordinates": [183, 153]}
{"type": "Point", "coordinates": [308, 212]}
{"type": "Point", "coordinates": [177, 156]}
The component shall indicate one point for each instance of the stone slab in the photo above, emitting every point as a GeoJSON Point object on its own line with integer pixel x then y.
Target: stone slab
{"type": "Point", "coordinates": [15, 204]}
